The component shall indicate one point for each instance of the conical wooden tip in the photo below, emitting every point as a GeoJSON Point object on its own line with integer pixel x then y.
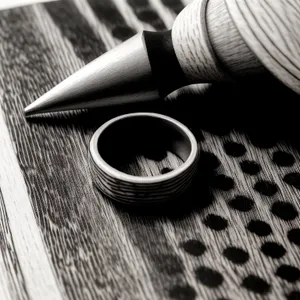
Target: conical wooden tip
{"type": "Point", "coordinates": [121, 75]}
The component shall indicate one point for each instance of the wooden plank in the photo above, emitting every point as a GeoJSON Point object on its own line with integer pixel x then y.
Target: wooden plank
{"type": "Point", "coordinates": [86, 44]}
{"type": "Point", "coordinates": [37, 271]}
{"type": "Point", "coordinates": [4, 271]}
{"type": "Point", "coordinates": [12, 284]}
{"type": "Point", "coordinates": [94, 249]}
{"type": "Point", "coordinates": [90, 251]}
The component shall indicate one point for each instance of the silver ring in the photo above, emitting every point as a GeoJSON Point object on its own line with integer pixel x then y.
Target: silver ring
{"type": "Point", "coordinates": [121, 132]}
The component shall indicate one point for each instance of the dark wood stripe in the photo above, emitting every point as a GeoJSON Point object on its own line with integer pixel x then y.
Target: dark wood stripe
{"type": "Point", "coordinates": [76, 29]}
{"type": "Point", "coordinates": [29, 68]}
{"type": "Point", "coordinates": [108, 13]}
{"type": "Point", "coordinates": [78, 234]}
{"type": "Point", "coordinates": [175, 5]}
{"type": "Point", "coordinates": [165, 268]}
{"type": "Point", "coordinates": [145, 12]}
{"type": "Point", "coordinates": [18, 289]}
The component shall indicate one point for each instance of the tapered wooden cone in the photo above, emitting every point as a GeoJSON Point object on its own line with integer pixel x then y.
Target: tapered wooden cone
{"type": "Point", "coordinates": [121, 75]}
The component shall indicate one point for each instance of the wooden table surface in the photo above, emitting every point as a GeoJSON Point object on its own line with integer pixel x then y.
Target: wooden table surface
{"type": "Point", "coordinates": [234, 235]}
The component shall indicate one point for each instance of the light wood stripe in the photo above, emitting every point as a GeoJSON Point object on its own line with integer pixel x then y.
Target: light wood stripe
{"type": "Point", "coordinates": [12, 282]}
{"type": "Point", "coordinates": [164, 13]}
{"type": "Point", "coordinates": [4, 290]}
{"type": "Point", "coordinates": [130, 16]}
{"type": "Point", "coordinates": [56, 40]}
{"type": "Point", "coordinates": [97, 26]}
{"type": "Point", "coordinates": [146, 13]}
{"type": "Point", "coordinates": [9, 4]}
{"type": "Point", "coordinates": [107, 12]}
{"type": "Point", "coordinates": [4, 281]}
{"type": "Point", "coordinates": [33, 259]}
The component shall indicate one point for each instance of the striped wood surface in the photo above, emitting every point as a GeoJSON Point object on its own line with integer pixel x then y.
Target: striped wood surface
{"type": "Point", "coordinates": [61, 239]}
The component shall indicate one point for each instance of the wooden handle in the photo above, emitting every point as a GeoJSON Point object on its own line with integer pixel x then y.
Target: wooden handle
{"type": "Point", "coordinates": [219, 40]}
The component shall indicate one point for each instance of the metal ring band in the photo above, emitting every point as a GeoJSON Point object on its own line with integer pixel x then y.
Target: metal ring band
{"type": "Point", "coordinates": [131, 189]}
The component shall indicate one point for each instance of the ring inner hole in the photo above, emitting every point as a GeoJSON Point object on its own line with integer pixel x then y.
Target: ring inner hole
{"type": "Point", "coordinates": [144, 146]}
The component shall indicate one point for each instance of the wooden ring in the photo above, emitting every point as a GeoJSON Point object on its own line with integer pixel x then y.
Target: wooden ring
{"type": "Point", "coordinates": [122, 131]}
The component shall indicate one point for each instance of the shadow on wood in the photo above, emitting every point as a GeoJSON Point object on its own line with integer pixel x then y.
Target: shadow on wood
{"type": "Point", "coordinates": [265, 111]}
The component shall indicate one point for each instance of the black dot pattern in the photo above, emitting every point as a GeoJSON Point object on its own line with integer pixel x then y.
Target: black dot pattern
{"type": "Point", "coordinates": [250, 167]}
{"type": "Point", "coordinates": [236, 243]}
{"type": "Point", "coordinates": [236, 255]}
{"type": "Point", "coordinates": [234, 149]}
{"type": "Point", "coordinates": [256, 284]}
{"type": "Point", "coordinates": [293, 179]}
{"type": "Point", "coordinates": [209, 277]}
{"type": "Point", "coordinates": [182, 292]}
{"type": "Point", "coordinates": [273, 249]}
{"type": "Point", "coordinates": [194, 247]}
{"type": "Point", "coordinates": [284, 210]}
{"type": "Point", "coordinates": [265, 188]}
{"type": "Point", "coordinates": [294, 236]}
{"type": "Point", "coordinates": [241, 203]}
{"type": "Point", "coordinates": [288, 273]}
{"type": "Point", "coordinates": [253, 204]}
{"type": "Point", "coordinates": [283, 159]}
{"type": "Point", "coordinates": [260, 228]}
{"type": "Point", "coordinates": [215, 222]}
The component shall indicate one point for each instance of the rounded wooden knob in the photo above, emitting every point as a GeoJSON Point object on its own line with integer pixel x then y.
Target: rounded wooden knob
{"type": "Point", "coordinates": [219, 40]}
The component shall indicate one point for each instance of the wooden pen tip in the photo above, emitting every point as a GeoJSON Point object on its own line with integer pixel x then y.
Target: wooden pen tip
{"type": "Point", "coordinates": [30, 110]}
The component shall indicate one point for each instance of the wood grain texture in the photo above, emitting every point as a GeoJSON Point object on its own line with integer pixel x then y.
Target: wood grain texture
{"type": "Point", "coordinates": [11, 280]}
{"type": "Point", "coordinates": [193, 47]}
{"type": "Point", "coordinates": [62, 239]}
{"type": "Point", "coordinates": [228, 45]}
{"type": "Point", "coordinates": [209, 47]}
{"type": "Point", "coordinates": [240, 37]}
{"type": "Point", "coordinates": [27, 242]}
{"type": "Point", "coordinates": [270, 28]}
